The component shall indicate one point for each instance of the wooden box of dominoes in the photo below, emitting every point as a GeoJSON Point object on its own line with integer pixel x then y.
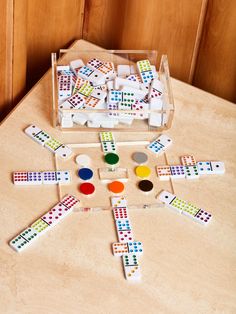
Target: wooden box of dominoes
{"type": "Point", "coordinates": [111, 89]}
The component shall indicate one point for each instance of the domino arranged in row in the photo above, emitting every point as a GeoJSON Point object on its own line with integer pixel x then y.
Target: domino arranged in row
{"type": "Point", "coordinates": [44, 139]}
{"type": "Point", "coordinates": [159, 145]}
{"type": "Point", "coordinates": [99, 85]}
{"type": "Point", "coordinates": [190, 169]}
{"type": "Point", "coordinates": [197, 214]}
{"type": "Point", "coordinates": [108, 142]}
{"type": "Point", "coordinates": [127, 247]}
{"type": "Point", "coordinates": [44, 224]}
{"type": "Point", "coordinates": [41, 177]}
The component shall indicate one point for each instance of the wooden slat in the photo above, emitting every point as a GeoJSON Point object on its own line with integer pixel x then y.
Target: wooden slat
{"type": "Point", "coordinates": [216, 65]}
{"type": "Point", "coordinates": [169, 26]}
{"type": "Point", "coordinates": [52, 25]}
{"type": "Point", "coordinates": [6, 40]}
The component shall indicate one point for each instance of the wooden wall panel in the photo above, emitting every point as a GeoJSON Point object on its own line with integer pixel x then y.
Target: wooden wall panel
{"type": "Point", "coordinates": [169, 26]}
{"type": "Point", "coordinates": [216, 65]}
{"type": "Point", "coordinates": [12, 53]}
{"type": "Point", "coordinates": [51, 25]}
{"type": "Point", "coordinates": [6, 20]}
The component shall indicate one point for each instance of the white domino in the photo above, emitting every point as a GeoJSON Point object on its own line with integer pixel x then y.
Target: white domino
{"type": "Point", "coordinates": [160, 144]}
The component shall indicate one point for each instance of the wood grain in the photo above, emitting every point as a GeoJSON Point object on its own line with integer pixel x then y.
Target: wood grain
{"type": "Point", "coordinates": [186, 268]}
{"type": "Point", "coordinates": [6, 41]}
{"type": "Point", "coordinates": [169, 26]}
{"type": "Point", "coordinates": [52, 25]}
{"type": "Point", "coordinates": [216, 65]}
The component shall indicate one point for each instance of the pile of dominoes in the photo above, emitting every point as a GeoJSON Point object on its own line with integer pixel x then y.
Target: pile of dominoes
{"type": "Point", "coordinates": [108, 90]}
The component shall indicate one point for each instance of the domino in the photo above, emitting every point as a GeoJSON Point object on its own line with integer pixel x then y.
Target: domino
{"type": "Point", "coordinates": [45, 139]}
{"type": "Point", "coordinates": [76, 101]}
{"type": "Point", "coordinates": [70, 201]}
{"type": "Point", "coordinates": [79, 83]}
{"type": "Point", "coordinates": [20, 178]}
{"type": "Point", "coordinates": [40, 226]}
{"type": "Point", "coordinates": [135, 78]}
{"type": "Point", "coordinates": [76, 65]}
{"type": "Point", "coordinates": [119, 249]}
{"type": "Point", "coordinates": [64, 86]}
{"type": "Point", "coordinates": [52, 144]}
{"type": "Point", "coordinates": [191, 172]}
{"type": "Point", "coordinates": [177, 172]}
{"type": "Point", "coordinates": [188, 160]}
{"type": "Point", "coordinates": [125, 236]}
{"type": "Point", "coordinates": [24, 239]}
{"type": "Point", "coordinates": [86, 89]}
{"type": "Point", "coordinates": [123, 224]}
{"type": "Point", "coordinates": [121, 82]}
{"type": "Point", "coordinates": [120, 213]}
{"type": "Point", "coordinates": [56, 214]}
{"type": "Point", "coordinates": [85, 72]}
{"type": "Point", "coordinates": [156, 91]}
{"type": "Point", "coordinates": [63, 177]}
{"type": "Point", "coordinates": [109, 147]}
{"type": "Point", "coordinates": [160, 144]}
{"type": "Point", "coordinates": [140, 105]}
{"type": "Point", "coordinates": [135, 247]}
{"type": "Point", "coordinates": [94, 63]}
{"type": "Point", "coordinates": [114, 96]}
{"type": "Point", "coordinates": [131, 266]}
{"type": "Point", "coordinates": [168, 198]}
{"type": "Point", "coordinates": [37, 134]}
{"type": "Point", "coordinates": [27, 178]}
{"type": "Point", "coordinates": [118, 201]}
{"type": "Point", "coordinates": [197, 214]}
{"type": "Point", "coordinates": [123, 70]}
{"type": "Point", "coordinates": [210, 167]}
{"type": "Point", "coordinates": [145, 71]}
{"type": "Point", "coordinates": [163, 172]}
{"type": "Point", "coordinates": [106, 137]}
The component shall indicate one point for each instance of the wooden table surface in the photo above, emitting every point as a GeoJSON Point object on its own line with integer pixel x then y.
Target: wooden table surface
{"type": "Point", "coordinates": [186, 268]}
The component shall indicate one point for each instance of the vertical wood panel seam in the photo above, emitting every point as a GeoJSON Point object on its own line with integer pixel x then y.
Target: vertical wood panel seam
{"type": "Point", "coordinates": [201, 24]}
{"type": "Point", "coordinates": [82, 15]}
{"type": "Point", "coordinates": [85, 20]}
{"type": "Point", "coordinates": [9, 53]}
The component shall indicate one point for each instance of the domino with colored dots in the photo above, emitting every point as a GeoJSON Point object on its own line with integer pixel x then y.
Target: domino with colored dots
{"type": "Point", "coordinates": [145, 71]}
{"type": "Point", "coordinates": [163, 172]}
{"type": "Point", "coordinates": [37, 178]}
{"type": "Point", "coordinates": [106, 137]}
{"type": "Point", "coordinates": [79, 82]}
{"type": "Point", "coordinates": [76, 65]}
{"type": "Point", "coordinates": [118, 202]}
{"type": "Point", "coordinates": [188, 160]}
{"type": "Point", "coordinates": [46, 140]}
{"type": "Point", "coordinates": [42, 225]}
{"type": "Point", "coordinates": [156, 91]}
{"type": "Point", "coordinates": [76, 101]}
{"type": "Point", "coordinates": [24, 239]}
{"type": "Point", "coordinates": [120, 213]}
{"type": "Point", "coordinates": [210, 167]}
{"type": "Point", "coordinates": [131, 266]}
{"type": "Point", "coordinates": [86, 89]}
{"type": "Point", "coordinates": [27, 178]}
{"type": "Point", "coordinates": [120, 249]}
{"type": "Point", "coordinates": [160, 144]}
{"type": "Point", "coordinates": [64, 86]}
{"type": "Point", "coordinates": [191, 172]}
{"type": "Point", "coordinates": [186, 208]}
{"type": "Point", "coordinates": [123, 224]}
